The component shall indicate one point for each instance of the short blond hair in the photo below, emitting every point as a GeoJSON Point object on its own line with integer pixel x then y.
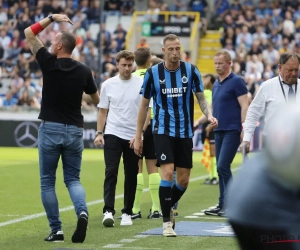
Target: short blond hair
{"type": "Point", "coordinates": [225, 54]}
{"type": "Point", "coordinates": [170, 37]}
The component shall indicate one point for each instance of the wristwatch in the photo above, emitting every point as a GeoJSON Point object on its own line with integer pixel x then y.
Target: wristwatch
{"type": "Point", "coordinates": [98, 133]}
{"type": "Point", "coordinates": [51, 18]}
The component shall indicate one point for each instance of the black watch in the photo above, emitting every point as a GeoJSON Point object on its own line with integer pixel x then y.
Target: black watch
{"type": "Point", "coordinates": [51, 18]}
{"type": "Point", "coordinates": [98, 133]}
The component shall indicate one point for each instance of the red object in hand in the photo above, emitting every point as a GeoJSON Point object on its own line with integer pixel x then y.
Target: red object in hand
{"type": "Point", "coordinates": [36, 28]}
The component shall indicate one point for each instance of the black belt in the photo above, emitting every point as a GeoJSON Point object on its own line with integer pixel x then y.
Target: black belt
{"type": "Point", "coordinates": [66, 125]}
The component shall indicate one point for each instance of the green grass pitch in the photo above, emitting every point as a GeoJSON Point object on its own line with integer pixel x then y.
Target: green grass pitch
{"type": "Point", "coordinates": [20, 199]}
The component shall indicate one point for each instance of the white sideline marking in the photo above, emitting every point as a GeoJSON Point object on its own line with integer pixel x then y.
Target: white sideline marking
{"type": "Point", "coordinates": [127, 240]}
{"type": "Point", "coordinates": [141, 236]}
{"type": "Point", "coordinates": [34, 216]}
{"type": "Point", "coordinates": [119, 246]}
{"type": "Point", "coordinates": [113, 246]}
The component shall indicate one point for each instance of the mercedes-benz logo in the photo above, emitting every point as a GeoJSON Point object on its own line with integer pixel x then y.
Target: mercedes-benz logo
{"type": "Point", "coordinates": [26, 134]}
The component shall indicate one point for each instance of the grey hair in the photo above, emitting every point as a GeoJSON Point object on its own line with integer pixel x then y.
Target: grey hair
{"type": "Point", "coordinates": [284, 57]}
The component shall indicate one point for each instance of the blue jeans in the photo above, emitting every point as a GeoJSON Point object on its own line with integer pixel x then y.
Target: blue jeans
{"type": "Point", "coordinates": [57, 140]}
{"type": "Point", "coordinates": [226, 143]}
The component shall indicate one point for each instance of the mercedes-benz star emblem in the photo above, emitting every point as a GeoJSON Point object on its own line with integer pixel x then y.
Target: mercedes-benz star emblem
{"type": "Point", "coordinates": [26, 134]}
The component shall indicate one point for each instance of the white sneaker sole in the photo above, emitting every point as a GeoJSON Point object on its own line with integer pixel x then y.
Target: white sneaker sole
{"type": "Point", "coordinates": [109, 222]}
{"type": "Point", "coordinates": [170, 234]}
{"type": "Point", "coordinates": [126, 223]}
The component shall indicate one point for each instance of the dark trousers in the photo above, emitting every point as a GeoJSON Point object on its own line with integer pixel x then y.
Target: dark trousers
{"type": "Point", "coordinates": [114, 148]}
{"type": "Point", "coordinates": [226, 143]}
{"type": "Point", "coordinates": [254, 238]}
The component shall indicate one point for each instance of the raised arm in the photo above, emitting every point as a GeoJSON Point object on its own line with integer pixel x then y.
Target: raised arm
{"type": "Point", "coordinates": [31, 32]}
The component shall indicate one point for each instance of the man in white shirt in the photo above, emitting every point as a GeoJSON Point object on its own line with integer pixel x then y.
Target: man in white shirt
{"type": "Point", "coordinates": [121, 95]}
{"type": "Point", "coordinates": [272, 94]}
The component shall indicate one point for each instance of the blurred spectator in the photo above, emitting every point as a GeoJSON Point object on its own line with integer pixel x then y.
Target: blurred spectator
{"type": "Point", "coordinates": [152, 11]}
{"type": "Point", "coordinates": [179, 18]}
{"type": "Point", "coordinates": [200, 6]}
{"type": "Point", "coordinates": [142, 43]}
{"type": "Point", "coordinates": [118, 30]}
{"type": "Point", "coordinates": [55, 7]}
{"type": "Point", "coordinates": [288, 25]}
{"type": "Point", "coordinates": [230, 49]}
{"type": "Point", "coordinates": [4, 38]}
{"type": "Point", "coordinates": [221, 7]}
{"type": "Point", "coordinates": [13, 52]}
{"type": "Point", "coordinates": [179, 5]}
{"type": "Point", "coordinates": [69, 9]}
{"type": "Point", "coordinates": [255, 50]}
{"type": "Point", "coordinates": [95, 12]}
{"type": "Point", "coordinates": [9, 101]}
{"type": "Point", "coordinates": [260, 35]}
{"type": "Point", "coordinates": [127, 7]}
{"type": "Point", "coordinates": [8, 68]}
{"type": "Point", "coordinates": [16, 83]}
{"type": "Point", "coordinates": [285, 46]}
{"type": "Point", "coordinates": [112, 7]}
{"type": "Point", "coordinates": [22, 24]}
{"type": "Point", "coordinates": [263, 11]}
{"type": "Point", "coordinates": [3, 15]}
{"type": "Point", "coordinates": [275, 38]}
{"type": "Point", "coordinates": [244, 38]}
{"type": "Point", "coordinates": [270, 56]}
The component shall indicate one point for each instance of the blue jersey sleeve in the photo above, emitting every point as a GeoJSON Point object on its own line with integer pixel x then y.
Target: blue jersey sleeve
{"type": "Point", "coordinates": [240, 87]}
{"type": "Point", "coordinates": [148, 84]}
{"type": "Point", "coordinates": [197, 84]}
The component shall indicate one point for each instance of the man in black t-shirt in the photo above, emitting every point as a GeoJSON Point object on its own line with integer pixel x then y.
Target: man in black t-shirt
{"type": "Point", "coordinates": [61, 130]}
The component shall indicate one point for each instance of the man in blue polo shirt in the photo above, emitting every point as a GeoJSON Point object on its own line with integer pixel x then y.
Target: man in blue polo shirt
{"type": "Point", "coordinates": [230, 105]}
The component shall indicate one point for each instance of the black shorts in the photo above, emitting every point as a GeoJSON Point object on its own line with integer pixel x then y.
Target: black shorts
{"type": "Point", "coordinates": [148, 144]}
{"type": "Point", "coordinates": [174, 150]}
{"type": "Point", "coordinates": [211, 136]}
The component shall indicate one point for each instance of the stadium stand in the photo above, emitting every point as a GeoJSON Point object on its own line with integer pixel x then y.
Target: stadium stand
{"type": "Point", "coordinates": [255, 32]}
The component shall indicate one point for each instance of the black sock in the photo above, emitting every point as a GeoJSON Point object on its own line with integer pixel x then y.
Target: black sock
{"type": "Point", "coordinates": [177, 192]}
{"type": "Point", "coordinates": [165, 192]}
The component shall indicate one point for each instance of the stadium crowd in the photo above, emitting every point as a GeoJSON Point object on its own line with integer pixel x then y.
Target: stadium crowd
{"type": "Point", "coordinates": [254, 32]}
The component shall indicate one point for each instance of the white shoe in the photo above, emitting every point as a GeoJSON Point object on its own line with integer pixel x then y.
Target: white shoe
{"type": "Point", "coordinates": [172, 218]}
{"type": "Point", "coordinates": [126, 220]}
{"type": "Point", "coordinates": [108, 220]}
{"type": "Point", "coordinates": [168, 230]}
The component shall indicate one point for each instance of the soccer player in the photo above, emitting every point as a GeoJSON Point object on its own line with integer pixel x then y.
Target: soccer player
{"type": "Point", "coordinates": [143, 62]}
{"type": "Point", "coordinates": [171, 84]}
{"type": "Point", "coordinates": [121, 95]}
{"type": "Point", "coordinates": [61, 130]}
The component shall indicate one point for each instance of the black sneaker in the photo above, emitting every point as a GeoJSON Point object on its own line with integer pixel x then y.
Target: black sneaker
{"type": "Point", "coordinates": [80, 232]}
{"type": "Point", "coordinates": [136, 216]}
{"type": "Point", "coordinates": [57, 236]}
{"type": "Point", "coordinates": [213, 211]}
{"type": "Point", "coordinates": [207, 181]}
{"type": "Point", "coordinates": [154, 215]}
{"type": "Point", "coordinates": [222, 213]}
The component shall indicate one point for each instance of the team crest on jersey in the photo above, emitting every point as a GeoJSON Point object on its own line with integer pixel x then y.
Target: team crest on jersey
{"type": "Point", "coordinates": [163, 157]}
{"type": "Point", "coordinates": [162, 81]}
{"type": "Point", "coordinates": [184, 79]}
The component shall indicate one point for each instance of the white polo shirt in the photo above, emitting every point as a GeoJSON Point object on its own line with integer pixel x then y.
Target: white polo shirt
{"type": "Point", "coordinates": [266, 103]}
{"type": "Point", "coordinates": [122, 98]}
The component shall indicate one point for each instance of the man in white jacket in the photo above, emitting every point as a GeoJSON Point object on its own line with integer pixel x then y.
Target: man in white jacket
{"type": "Point", "coordinates": [272, 94]}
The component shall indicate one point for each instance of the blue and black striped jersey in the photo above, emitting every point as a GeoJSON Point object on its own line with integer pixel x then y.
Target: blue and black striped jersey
{"type": "Point", "coordinates": [173, 101]}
